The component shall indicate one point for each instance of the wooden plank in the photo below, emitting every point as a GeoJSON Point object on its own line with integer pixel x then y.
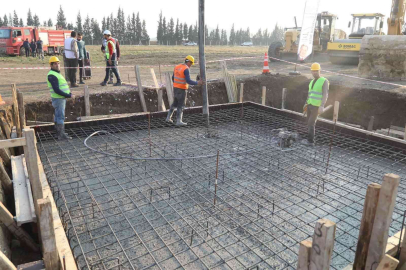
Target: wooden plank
{"type": "Point", "coordinates": [284, 92]}
{"type": "Point", "coordinates": [263, 98]}
{"type": "Point", "coordinates": [241, 93]}
{"type": "Point", "coordinates": [161, 103]}
{"type": "Point", "coordinates": [5, 263]}
{"type": "Point", "coordinates": [5, 127]}
{"type": "Point", "coordinates": [305, 249]}
{"type": "Point", "coordinates": [140, 89]}
{"type": "Point", "coordinates": [21, 109]}
{"type": "Point", "coordinates": [367, 223]}
{"type": "Point", "coordinates": [383, 218]}
{"type": "Point", "coordinates": [30, 151]}
{"type": "Point", "coordinates": [169, 87]}
{"type": "Point", "coordinates": [5, 156]}
{"type": "Point", "coordinates": [228, 81]}
{"type": "Point", "coordinates": [12, 143]}
{"type": "Point", "coordinates": [8, 220]}
{"type": "Point", "coordinates": [402, 256]}
{"type": "Point", "coordinates": [87, 100]}
{"type": "Point", "coordinates": [49, 249]}
{"type": "Point", "coordinates": [393, 243]}
{"type": "Point", "coordinates": [336, 109]}
{"type": "Point", "coordinates": [322, 246]}
{"type": "Point", "coordinates": [15, 110]}
{"type": "Point", "coordinates": [388, 263]}
{"type": "Point", "coordinates": [5, 180]}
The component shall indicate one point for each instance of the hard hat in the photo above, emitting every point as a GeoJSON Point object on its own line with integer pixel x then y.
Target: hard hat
{"type": "Point", "coordinates": [190, 58]}
{"type": "Point", "coordinates": [53, 59]}
{"type": "Point", "coordinates": [107, 32]}
{"type": "Point", "coordinates": [315, 67]}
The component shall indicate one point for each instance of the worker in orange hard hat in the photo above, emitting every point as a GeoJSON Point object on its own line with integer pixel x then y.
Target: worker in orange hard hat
{"type": "Point", "coordinates": [316, 99]}
{"type": "Point", "coordinates": [181, 80]}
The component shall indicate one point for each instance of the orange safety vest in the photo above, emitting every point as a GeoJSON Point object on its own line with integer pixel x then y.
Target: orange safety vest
{"type": "Point", "coordinates": [179, 79]}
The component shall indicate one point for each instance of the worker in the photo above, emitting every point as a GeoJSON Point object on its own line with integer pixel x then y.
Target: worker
{"type": "Point", "coordinates": [111, 54]}
{"type": "Point", "coordinates": [33, 47]}
{"type": "Point", "coordinates": [71, 56]}
{"type": "Point", "coordinates": [40, 50]}
{"type": "Point", "coordinates": [316, 99]}
{"type": "Point", "coordinates": [82, 57]}
{"type": "Point", "coordinates": [103, 49]}
{"type": "Point", "coordinates": [59, 93]}
{"type": "Point", "coordinates": [26, 45]}
{"type": "Point", "coordinates": [181, 80]}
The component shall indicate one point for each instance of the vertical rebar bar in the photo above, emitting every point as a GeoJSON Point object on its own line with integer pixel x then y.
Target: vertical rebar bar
{"type": "Point", "coordinates": [150, 196]}
{"type": "Point", "coordinates": [149, 134]}
{"type": "Point", "coordinates": [401, 234]}
{"type": "Point", "coordinates": [331, 144]}
{"type": "Point", "coordinates": [207, 229]}
{"type": "Point", "coordinates": [64, 262]}
{"type": "Point", "coordinates": [217, 172]}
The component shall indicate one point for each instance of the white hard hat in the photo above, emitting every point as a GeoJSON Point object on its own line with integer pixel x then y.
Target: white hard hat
{"type": "Point", "coordinates": [107, 32]}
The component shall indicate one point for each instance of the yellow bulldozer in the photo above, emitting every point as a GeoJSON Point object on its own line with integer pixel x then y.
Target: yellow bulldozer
{"type": "Point", "coordinates": [324, 33]}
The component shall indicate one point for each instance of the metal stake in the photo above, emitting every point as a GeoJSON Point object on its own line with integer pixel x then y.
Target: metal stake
{"type": "Point", "coordinates": [217, 171]}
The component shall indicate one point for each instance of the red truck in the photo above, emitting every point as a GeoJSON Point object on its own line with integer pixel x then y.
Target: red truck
{"type": "Point", "coordinates": [12, 38]}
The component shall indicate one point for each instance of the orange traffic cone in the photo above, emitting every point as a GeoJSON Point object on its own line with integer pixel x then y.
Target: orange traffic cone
{"type": "Point", "coordinates": [2, 102]}
{"type": "Point", "coordinates": [266, 65]}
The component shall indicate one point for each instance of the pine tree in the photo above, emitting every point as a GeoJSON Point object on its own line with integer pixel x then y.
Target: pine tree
{"type": "Point", "coordinates": [61, 19]}
{"type": "Point", "coordinates": [10, 20]}
{"type": "Point", "coordinates": [44, 23]}
{"type": "Point", "coordinates": [15, 19]}
{"type": "Point", "coordinates": [133, 28]}
{"type": "Point", "coordinates": [159, 34]}
{"type": "Point", "coordinates": [177, 35]}
{"type": "Point", "coordinates": [171, 32]}
{"type": "Point", "coordinates": [232, 36]}
{"type": "Point", "coordinates": [30, 21]}
{"type": "Point", "coordinates": [120, 31]}
{"type": "Point", "coordinates": [276, 35]}
{"type": "Point", "coordinates": [164, 32]}
{"type": "Point", "coordinates": [70, 26]}
{"type": "Point", "coordinates": [79, 27]}
{"type": "Point", "coordinates": [108, 24]}
{"type": "Point", "coordinates": [21, 23]}
{"type": "Point", "coordinates": [1, 22]}
{"type": "Point", "coordinates": [145, 36]}
{"type": "Point", "coordinates": [265, 37]}
{"type": "Point", "coordinates": [212, 37]}
{"type": "Point", "coordinates": [96, 31]}
{"type": "Point", "coordinates": [50, 23]}
{"type": "Point", "coordinates": [5, 20]}
{"type": "Point", "coordinates": [138, 29]}
{"type": "Point", "coordinates": [36, 21]}
{"type": "Point", "coordinates": [128, 32]}
{"type": "Point", "coordinates": [206, 33]}
{"type": "Point", "coordinates": [104, 24]}
{"type": "Point", "coordinates": [190, 34]}
{"type": "Point", "coordinates": [217, 36]}
{"type": "Point", "coordinates": [185, 31]}
{"type": "Point", "coordinates": [87, 30]}
{"type": "Point", "coordinates": [195, 33]}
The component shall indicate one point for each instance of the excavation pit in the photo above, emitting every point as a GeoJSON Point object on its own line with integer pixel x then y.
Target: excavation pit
{"type": "Point", "coordinates": [130, 200]}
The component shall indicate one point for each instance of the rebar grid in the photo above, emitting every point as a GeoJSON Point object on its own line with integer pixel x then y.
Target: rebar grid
{"type": "Point", "coordinates": [121, 213]}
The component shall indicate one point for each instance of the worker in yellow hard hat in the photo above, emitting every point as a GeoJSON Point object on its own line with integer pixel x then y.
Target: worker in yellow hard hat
{"type": "Point", "coordinates": [59, 93]}
{"type": "Point", "coordinates": [181, 80]}
{"type": "Point", "coordinates": [316, 99]}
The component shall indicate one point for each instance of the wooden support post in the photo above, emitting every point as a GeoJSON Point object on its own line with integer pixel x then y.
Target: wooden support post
{"type": "Point", "coordinates": [20, 234]}
{"type": "Point", "coordinates": [383, 218]}
{"type": "Point", "coordinates": [15, 110]}
{"type": "Point", "coordinates": [140, 89]}
{"type": "Point", "coordinates": [402, 256]}
{"type": "Point", "coordinates": [49, 250]}
{"type": "Point", "coordinates": [336, 109]}
{"type": "Point", "coordinates": [5, 263]}
{"type": "Point", "coordinates": [21, 109]}
{"type": "Point", "coordinates": [263, 95]}
{"type": "Point", "coordinates": [5, 180]}
{"type": "Point", "coordinates": [161, 103]}
{"type": "Point", "coordinates": [31, 158]}
{"type": "Point", "coordinates": [284, 92]}
{"type": "Point", "coordinates": [304, 255]}
{"type": "Point", "coordinates": [241, 93]}
{"type": "Point", "coordinates": [367, 223]}
{"type": "Point", "coordinates": [5, 127]}
{"type": "Point", "coordinates": [5, 156]}
{"type": "Point", "coordinates": [322, 246]}
{"type": "Point", "coordinates": [169, 87]}
{"type": "Point", "coordinates": [371, 123]}
{"type": "Point", "coordinates": [388, 263]}
{"type": "Point", "coordinates": [87, 100]}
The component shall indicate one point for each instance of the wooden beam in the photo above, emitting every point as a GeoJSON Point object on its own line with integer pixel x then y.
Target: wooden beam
{"type": "Point", "coordinates": [393, 243]}
{"type": "Point", "coordinates": [383, 218]}
{"type": "Point", "coordinates": [169, 87]}
{"type": "Point", "coordinates": [241, 92]}
{"type": "Point", "coordinates": [5, 263]}
{"type": "Point", "coordinates": [5, 156]}
{"type": "Point", "coordinates": [5, 127]}
{"type": "Point", "coordinates": [402, 255]}
{"type": "Point", "coordinates": [336, 109]}
{"type": "Point", "coordinates": [322, 246]}
{"type": "Point", "coordinates": [367, 223]}
{"type": "Point", "coordinates": [284, 92]}
{"type": "Point", "coordinates": [388, 263]}
{"type": "Point", "coordinates": [5, 180]}
{"type": "Point", "coordinates": [20, 234]}
{"type": "Point", "coordinates": [15, 110]}
{"type": "Point", "coordinates": [21, 109]}
{"type": "Point", "coordinates": [87, 100]}
{"type": "Point", "coordinates": [161, 103]}
{"type": "Point", "coordinates": [12, 143]}
{"type": "Point", "coordinates": [263, 95]}
{"type": "Point", "coordinates": [140, 89]}
{"type": "Point", "coordinates": [49, 250]}
{"type": "Point", "coordinates": [305, 249]}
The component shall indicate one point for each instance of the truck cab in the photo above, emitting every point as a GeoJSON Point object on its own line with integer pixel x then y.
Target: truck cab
{"type": "Point", "coordinates": [12, 39]}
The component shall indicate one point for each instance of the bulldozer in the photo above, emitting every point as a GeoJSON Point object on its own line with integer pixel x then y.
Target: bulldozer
{"type": "Point", "coordinates": [346, 51]}
{"type": "Point", "coordinates": [324, 32]}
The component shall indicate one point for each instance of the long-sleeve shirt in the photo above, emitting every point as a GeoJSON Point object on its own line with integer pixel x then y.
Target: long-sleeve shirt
{"type": "Point", "coordinates": [71, 48]}
{"type": "Point", "coordinates": [103, 47]}
{"type": "Point", "coordinates": [326, 86]}
{"type": "Point", "coordinates": [39, 44]}
{"type": "Point", "coordinates": [187, 77]}
{"type": "Point", "coordinates": [33, 46]}
{"type": "Point", "coordinates": [55, 85]}
{"type": "Point", "coordinates": [26, 44]}
{"type": "Point", "coordinates": [82, 50]}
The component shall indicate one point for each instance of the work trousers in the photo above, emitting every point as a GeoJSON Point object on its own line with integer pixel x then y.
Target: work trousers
{"type": "Point", "coordinates": [312, 113]}
{"type": "Point", "coordinates": [113, 69]}
{"type": "Point", "coordinates": [40, 54]}
{"type": "Point", "coordinates": [27, 52]}
{"type": "Point", "coordinates": [179, 99]}
{"type": "Point", "coordinates": [72, 65]}
{"type": "Point", "coordinates": [111, 73]}
{"type": "Point", "coordinates": [81, 68]}
{"type": "Point", "coordinates": [33, 53]}
{"type": "Point", "coordinates": [59, 105]}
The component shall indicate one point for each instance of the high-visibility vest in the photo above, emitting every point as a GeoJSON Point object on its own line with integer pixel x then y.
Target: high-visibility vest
{"type": "Point", "coordinates": [179, 79]}
{"type": "Point", "coordinates": [316, 92]}
{"type": "Point", "coordinates": [63, 85]}
{"type": "Point", "coordinates": [107, 48]}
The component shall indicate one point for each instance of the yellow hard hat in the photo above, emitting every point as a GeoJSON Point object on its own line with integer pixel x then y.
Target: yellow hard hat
{"type": "Point", "coordinates": [53, 59]}
{"type": "Point", "coordinates": [315, 67]}
{"type": "Point", "coordinates": [191, 59]}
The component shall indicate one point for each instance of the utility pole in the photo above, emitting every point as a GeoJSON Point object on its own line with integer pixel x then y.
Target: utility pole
{"type": "Point", "coordinates": [202, 62]}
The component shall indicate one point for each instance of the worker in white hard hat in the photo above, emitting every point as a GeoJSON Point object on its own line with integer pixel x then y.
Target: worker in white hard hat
{"type": "Point", "coordinates": [181, 80]}
{"type": "Point", "coordinates": [110, 51]}
{"type": "Point", "coordinates": [316, 100]}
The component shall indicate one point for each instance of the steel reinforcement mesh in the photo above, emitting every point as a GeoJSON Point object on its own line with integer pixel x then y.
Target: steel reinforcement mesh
{"type": "Point", "coordinates": [125, 213]}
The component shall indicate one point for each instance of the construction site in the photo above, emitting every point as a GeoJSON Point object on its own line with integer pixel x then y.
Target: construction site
{"type": "Point", "coordinates": [235, 188]}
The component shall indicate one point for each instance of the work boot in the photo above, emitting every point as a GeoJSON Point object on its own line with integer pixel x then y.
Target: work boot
{"type": "Point", "coordinates": [179, 119]}
{"type": "Point", "coordinates": [118, 83]}
{"type": "Point", "coordinates": [110, 82]}
{"type": "Point", "coordinates": [74, 85]}
{"type": "Point", "coordinates": [62, 135]}
{"type": "Point", "coordinates": [169, 117]}
{"type": "Point", "coordinates": [103, 83]}
{"type": "Point", "coordinates": [81, 82]}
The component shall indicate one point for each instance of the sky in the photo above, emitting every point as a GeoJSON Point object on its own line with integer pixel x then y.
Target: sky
{"type": "Point", "coordinates": [254, 13]}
